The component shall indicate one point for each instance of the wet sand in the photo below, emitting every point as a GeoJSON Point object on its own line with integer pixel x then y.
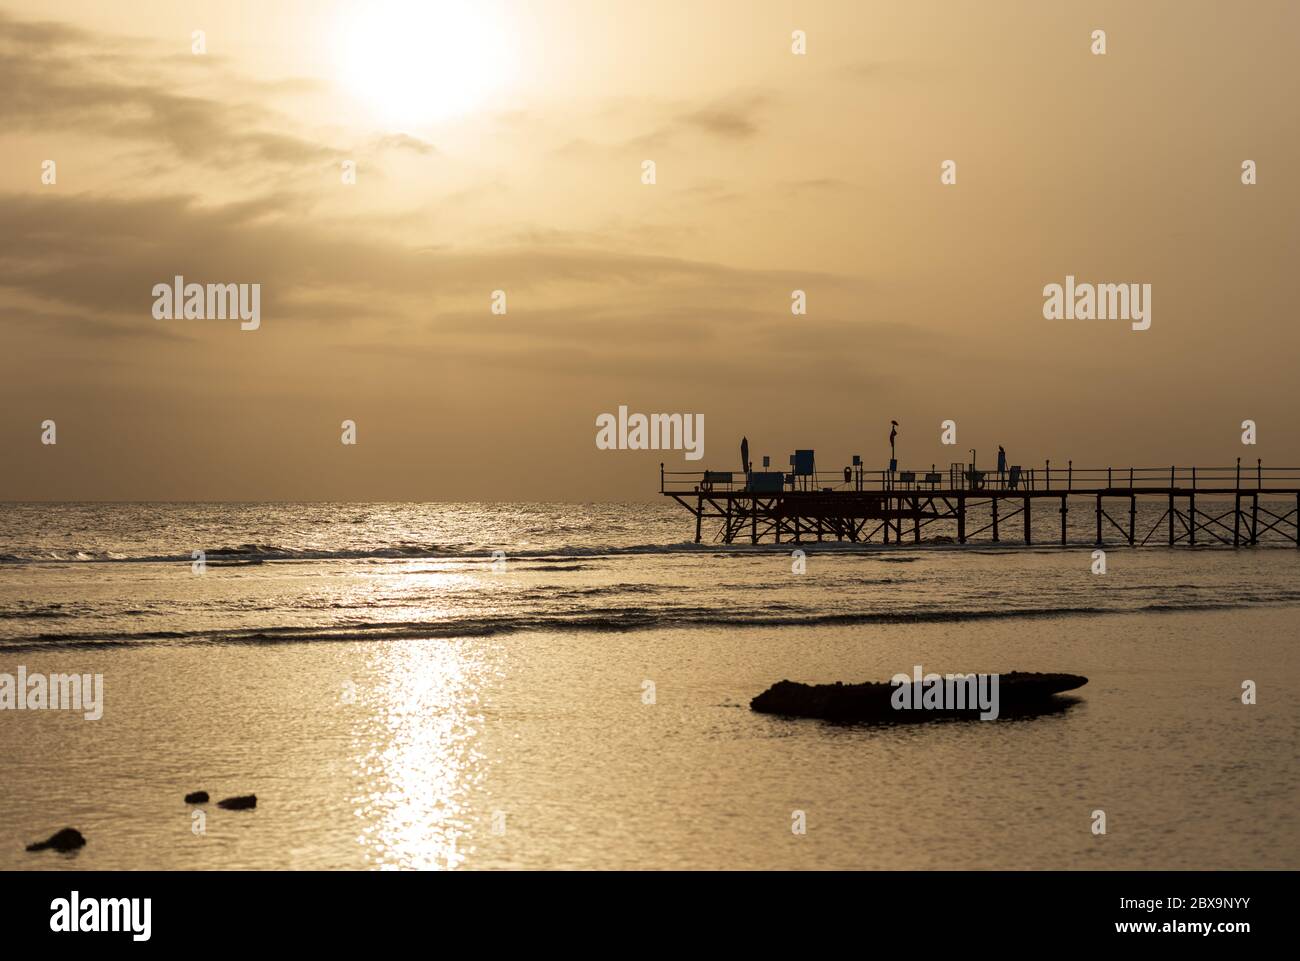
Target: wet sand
{"type": "Point", "coordinates": [538, 751]}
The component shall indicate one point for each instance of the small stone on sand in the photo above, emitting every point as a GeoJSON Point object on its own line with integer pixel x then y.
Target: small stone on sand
{"type": "Point", "coordinates": [69, 839]}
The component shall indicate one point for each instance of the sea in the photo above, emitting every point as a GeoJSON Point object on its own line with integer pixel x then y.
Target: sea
{"type": "Point", "coordinates": [459, 686]}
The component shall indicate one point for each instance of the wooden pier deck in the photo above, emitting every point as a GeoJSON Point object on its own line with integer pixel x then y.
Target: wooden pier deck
{"type": "Point", "coordinates": [1200, 506]}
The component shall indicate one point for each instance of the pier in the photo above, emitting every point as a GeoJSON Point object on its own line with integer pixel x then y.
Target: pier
{"type": "Point", "coordinates": [1231, 506]}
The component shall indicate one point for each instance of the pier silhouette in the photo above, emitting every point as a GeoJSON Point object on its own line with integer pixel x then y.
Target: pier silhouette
{"type": "Point", "coordinates": [894, 506]}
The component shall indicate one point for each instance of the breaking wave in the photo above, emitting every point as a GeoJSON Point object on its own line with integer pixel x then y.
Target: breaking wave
{"type": "Point", "coordinates": [609, 621]}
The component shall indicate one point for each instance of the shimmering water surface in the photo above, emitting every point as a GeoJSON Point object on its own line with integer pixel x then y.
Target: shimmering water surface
{"type": "Point", "coordinates": [397, 696]}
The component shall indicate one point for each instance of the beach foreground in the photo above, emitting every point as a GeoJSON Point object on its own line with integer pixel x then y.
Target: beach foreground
{"type": "Point", "coordinates": [538, 750]}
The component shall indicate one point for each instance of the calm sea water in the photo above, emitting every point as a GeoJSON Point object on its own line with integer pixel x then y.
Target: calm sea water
{"type": "Point", "coordinates": [456, 685]}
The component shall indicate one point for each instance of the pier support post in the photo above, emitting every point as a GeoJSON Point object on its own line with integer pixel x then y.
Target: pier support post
{"type": "Point", "coordinates": [1132, 518]}
{"type": "Point", "coordinates": [1065, 509]}
{"type": "Point", "coordinates": [994, 503]}
{"type": "Point", "coordinates": [1191, 517]}
{"type": "Point", "coordinates": [916, 520]}
{"type": "Point", "coordinates": [961, 519]}
{"type": "Point", "coordinates": [1099, 519]}
{"type": "Point", "coordinates": [1236, 514]}
{"type": "Point", "coordinates": [1028, 516]}
{"type": "Point", "coordinates": [699, 517]}
{"type": "Point", "coordinates": [1254, 519]}
{"type": "Point", "coordinates": [1173, 513]}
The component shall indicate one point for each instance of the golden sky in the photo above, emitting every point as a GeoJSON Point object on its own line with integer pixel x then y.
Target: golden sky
{"type": "Point", "coordinates": [499, 146]}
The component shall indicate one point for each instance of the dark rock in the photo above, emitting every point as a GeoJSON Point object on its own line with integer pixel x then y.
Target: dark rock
{"type": "Point", "coordinates": [69, 839]}
{"type": "Point", "coordinates": [241, 803]}
{"type": "Point", "coordinates": [1019, 693]}
{"type": "Point", "coordinates": [197, 797]}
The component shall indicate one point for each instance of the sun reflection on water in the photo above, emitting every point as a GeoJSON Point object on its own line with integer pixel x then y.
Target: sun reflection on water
{"type": "Point", "coordinates": [418, 755]}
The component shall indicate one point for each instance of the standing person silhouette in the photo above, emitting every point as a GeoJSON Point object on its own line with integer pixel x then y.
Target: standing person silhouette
{"type": "Point", "coordinates": [893, 459]}
{"type": "Point", "coordinates": [1002, 462]}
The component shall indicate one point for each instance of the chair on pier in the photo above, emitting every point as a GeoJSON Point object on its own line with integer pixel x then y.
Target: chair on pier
{"type": "Point", "coordinates": [1014, 481]}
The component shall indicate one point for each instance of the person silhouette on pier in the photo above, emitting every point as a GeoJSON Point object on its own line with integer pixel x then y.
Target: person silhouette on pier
{"type": "Point", "coordinates": [893, 433]}
{"type": "Point", "coordinates": [1002, 463]}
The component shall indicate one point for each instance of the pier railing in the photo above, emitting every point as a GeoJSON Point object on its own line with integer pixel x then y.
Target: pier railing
{"type": "Point", "coordinates": [965, 477]}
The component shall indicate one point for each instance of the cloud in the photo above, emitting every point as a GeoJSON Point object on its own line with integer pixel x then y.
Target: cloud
{"type": "Point", "coordinates": [102, 255]}
{"type": "Point", "coordinates": [52, 81]}
{"type": "Point", "coordinates": [401, 141]}
{"type": "Point", "coordinates": [733, 119]}
{"type": "Point", "coordinates": [44, 34]}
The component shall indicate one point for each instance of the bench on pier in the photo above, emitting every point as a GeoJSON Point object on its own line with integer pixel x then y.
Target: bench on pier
{"type": "Point", "coordinates": [712, 477]}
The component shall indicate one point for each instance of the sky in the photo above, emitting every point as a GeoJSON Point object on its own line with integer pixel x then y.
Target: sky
{"type": "Point", "coordinates": [501, 146]}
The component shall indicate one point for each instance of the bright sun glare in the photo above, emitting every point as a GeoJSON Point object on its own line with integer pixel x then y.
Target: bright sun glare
{"type": "Point", "coordinates": [417, 62]}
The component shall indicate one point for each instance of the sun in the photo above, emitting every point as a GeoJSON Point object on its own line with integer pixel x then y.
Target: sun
{"type": "Point", "coordinates": [413, 63]}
